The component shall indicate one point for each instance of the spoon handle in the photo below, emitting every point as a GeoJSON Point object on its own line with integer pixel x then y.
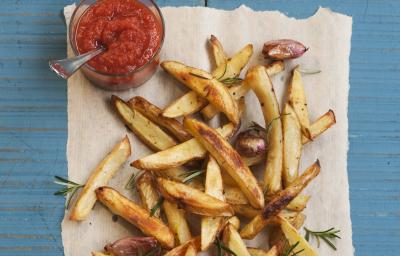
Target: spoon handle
{"type": "Point", "coordinates": [66, 67]}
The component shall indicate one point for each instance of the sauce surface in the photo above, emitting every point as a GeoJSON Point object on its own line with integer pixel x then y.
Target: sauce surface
{"type": "Point", "coordinates": [127, 28]}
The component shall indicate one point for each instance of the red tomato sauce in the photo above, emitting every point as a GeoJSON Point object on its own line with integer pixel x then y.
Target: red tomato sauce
{"type": "Point", "coordinates": [128, 30]}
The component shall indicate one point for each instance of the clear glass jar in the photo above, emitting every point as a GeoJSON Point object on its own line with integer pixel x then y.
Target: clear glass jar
{"type": "Point", "coordinates": [123, 81]}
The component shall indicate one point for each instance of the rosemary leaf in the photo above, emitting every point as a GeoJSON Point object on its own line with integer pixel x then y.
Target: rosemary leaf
{"type": "Point", "coordinates": [156, 207]}
{"type": "Point", "coordinates": [326, 235]}
{"type": "Point", "coordinates": [189, 176]}
{"type": "Point", "coordinates": [69, 190]}
{"type": "Point", "coordinates": [231, 80]}
{"type": "Point", "coordinates": [226, 67]}
{"type": "Point", "coordinates": [131, 184]}
{"type": "Point", "coordinates": [221, 247]}
{"type": "Point", "coordinates": [198, 76]}
{"type": "Point", "coordinates": [289, 251]}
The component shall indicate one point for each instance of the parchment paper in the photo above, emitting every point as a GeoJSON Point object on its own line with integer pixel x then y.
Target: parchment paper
{"type": "Point", "coordinates": [93, 128]}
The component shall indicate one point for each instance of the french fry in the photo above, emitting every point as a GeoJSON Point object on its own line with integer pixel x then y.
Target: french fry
{"type": "Point", "coordinates": [99, 254]}
{"type": "Point", "coordinates": [259, 252]}
{"type": "Point", "coordinates": [136, 215]}
{"type": "Point", "coordinates": [233, 195]}
{"type": "Point", "coordinates": [191, 251]}
{"type": "Point", "coordinates": [177, 222]}
{"type": "Point", "coordinates": [260, 83]}
{"type": "Point", "coordinates": [297, 99]}
{"type": "Point", "coordinates": [291, 145]}
{"type": "Point", "coordinates": [218, 51]}
{"type": "Point", "coordinates": [245, 210]}
{"type": "Point", "coordinates": [234, 242]}
{"type": "Point", "coordinates": [252, 161]}
{"type": "Point", "coordinates": [147, 192]}
{"type": "Point", "coordinates": [228, 159]}
{"type": "Point", "coordinates": [193, 200]}
{"type": "Point", "coordinates": [241, 90]}
{"type": "Point", "coordinates": [100, 176]}
{"type": "Point", "coordinates": [187, 104]}
{"type": "Point", "coordinates": [234, 222]}
{"type": "Point", "coordinates": [279, 202]}
{"type": "Point", "coordinates": [179, 154]}
{"type": "Point", "coordinates": [148, 132]}
{"type": "Point", "coordinates": [206, 86]}
{"type": "Point", "coordinates": [181, 249]}
{"type": "Point", "coordinates": [299, 203]}
{"type": "Point", "coordinates": [179, 174]}
{"type": "Point", "coordinates": [210, 226]}
{"type": "Point", "coordinates": [153, 113]}
{"type": "Point", "coordinates": [322, 124]}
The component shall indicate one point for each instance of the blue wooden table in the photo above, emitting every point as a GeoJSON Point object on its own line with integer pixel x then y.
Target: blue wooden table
{"type": "Point", "coordinates": [33, 120]}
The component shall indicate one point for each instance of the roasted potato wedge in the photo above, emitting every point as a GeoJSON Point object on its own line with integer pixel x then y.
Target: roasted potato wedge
{"type": "Point", "coordinates": [100, 176]}
{"type": "Point", "coordinates": [279, 202]}
{"type": "Point", "coordinates": [193, 200]}
{"type": "Point", "coordinates": [148, 132]}
{"type": "Point", "coordinates": [292, 145]}
{"type": "Point", "coordinates": [234, 222]}
{"type": "Point", "coordinates": [179, 174]}
{"type": "Point", "coordinates": [297, 99]}
{"type": "Point", "coordinates": [322, 124]}
{"type": "Point", "coordinates": [181, 249]}
{"type": "Point", "coordinates": [179, 154]}
{"type": "Point", "coordinates": [234, 242]}
{"type": "Point", "coordinates": [147, 192]}
{"type": "Point", "coordinates": [220, 57]}
{"type": "Point", "coordinates": [136, 215]}
{"type": "Point", "coordinates": [210, 226]}
{"type": "Point", "coordinates": [191, 251]}
{"type": "Point", "coordinates": [241, 90]}
{"type": "Point", "coordinates": [260, 83]}
{"type": "Point", "coordinates": [228, 159]}
{"type": "Point", "coordinates": [245, 210]}
{"type": "Point", "coordinates": [299, 203]}
{"type": "Point", "coordinates": [260, 252]}
{"type": "Point", "coordinates": [177, 222]}
{"type": "Point", "coordinates": [187, 104]}
{"type": "Point", "coordinates": [153, 113]}
{"type": "Point", "coordinates": [233, 195]}
{"type": "Point", "coordinates": [206, 86]}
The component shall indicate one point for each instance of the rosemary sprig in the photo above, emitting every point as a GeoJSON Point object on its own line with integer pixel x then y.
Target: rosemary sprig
{"type": "Point", "coordinates": [226, 67]}
{"type": "Point", "coordinates": [290, 250]}
{"type": "Point", "coordinates": [221, 247]}
{"type": "Point", "coordinates": [156, 206]}
{"type": "Point", "coordinates": [231, 80]}
{"type": "Point", "coordinates": [325, 235]}
{"type": "Point", "coordinates": [131, 184]}
{"type": "Point", "coordinates": [68, 191]}
{"type": "Point", "coordinates": [198, 76]}
{"type": "Point", "coordinates": [189, 176]}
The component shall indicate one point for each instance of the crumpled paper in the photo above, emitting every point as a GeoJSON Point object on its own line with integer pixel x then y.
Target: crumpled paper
{"type": "Point", "coordinates": [93, 128]}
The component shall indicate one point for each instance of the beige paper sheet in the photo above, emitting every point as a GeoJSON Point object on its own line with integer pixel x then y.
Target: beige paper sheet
{"type": "Point", "coordinates": [93, 128]}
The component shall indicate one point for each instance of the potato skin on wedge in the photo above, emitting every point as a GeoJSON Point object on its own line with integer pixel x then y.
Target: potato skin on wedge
{"type": "Point", "coordinates": [193, 200]}
{"type": "Point", "coordinates": [136, 215]}
{"type": "Point", "coordinates": [228, 159]}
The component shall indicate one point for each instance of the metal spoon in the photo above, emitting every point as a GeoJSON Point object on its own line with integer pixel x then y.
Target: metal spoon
{"type": "Point", "coordinates": [67, 67]}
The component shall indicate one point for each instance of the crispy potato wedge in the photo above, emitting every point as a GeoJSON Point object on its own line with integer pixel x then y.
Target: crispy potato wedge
{"type": "Point", "coordinates": [228, 159]}
{"type": "Point", "coordinates": [210, 226]}
{"type": "Point", "coordinates": [299, 203]}
{"type": "Point", "coordinates": [241, 90]}
{"type": "Point", "coordinates": [177, 222]}
{"type": "Point", "coordinates": [179, 154]}
{"type": "Point", "coordinates": [260, 83]}
{"type": "Point", "coordinates": [293, 237]}
{"type": "Point", "coordinates": [234, 242]}
{"type": "Point", "coordinates": [220, 57]}
{"type": "Point", "coordinates": [179, 174]}
{"type": "Point", "coordinates": [153, 113]}
{"type": "Point", "coordinates": [245, 210]}
{"type": "Point", "coordinates": [191, 251]}
{"type": "Point", "coordinates": [181, 249]}
{"type": "Point", "coordinates": [260, 252]}
{"type": "Point", "coordinates": [193, 200]}
{"type": "Point", "coordinates": [100, 176]}
{"type": "Point", "coordinates": [187, 104]}
{"type": "Point", "coordinates": [279, 202]}
{"type": "Point", "coordinates": [322, 124]}
{"type": "Point", "coordinates": [206, 86]}
{"type": "Point", "coordinates": [136, 215]}
{"type": "Point", "coordinates": [297, 99]}
{"type": "Point", "coordinates": [147, 192]}
{"type": "Point", "coordinates": [148, 132]}
{"type": "Point", "coordinates": [292, 145]}
{"type": "Point", "coordinates": [233, 195]}
{"type": "Point", "coordinates": [255, 160]}
{"type": "Point", "coordinates": [234, 222]}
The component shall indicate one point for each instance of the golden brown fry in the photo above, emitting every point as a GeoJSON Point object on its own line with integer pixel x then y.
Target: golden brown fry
{"type": "Point", "coordinates": [148, 132]}
{"type": "Point", "coordinates": [322, 124]}
{"type": "Point", "coordinates": [147, 192]}
{"type": "Point", "coordinates": [177, 222]}
{"type": "Point", "coordinates": [193, 200]}
{"type": "Point", "coordinates": [210, 226]}
{"type": "Point", "coordinates": [297, 99]}
{"type": "Point", "coordinates": [136, 215]}
{"type": "Point", "coordinates": [252, 161]}
{"type": "Point", "coordinates": [260, 83]}
{"type": "Point", "coordinates": [206, 86]}
{"type": "Point", "coordinates": [187, 104]}
{"type": "Point", "coordinates": [299, 203]}
{"type": "Point", "coordinates": [245, 210]}
{"type": "Point", "coordinates": [228, 159]}
{"type": "Point", "coordinates": [259, 252]}
{"type": "Point", "coordinates": [100, 177]}
{"type": "Point", "coordinates": [153, 113]}
{"type": "Point", "coordinates": [279, 202]}
{"type": "Point", "coordinates": [241, 90]}
{"type": "Point", "coordinates": [234, 222]}
{"type": "Point", "coordinates": [234, 242]}
{"type": "Point", "coordinates": [292, 145]}
{"type": "Point", "coordinates": [218, 51]}
{"type": "Point", "coordinates": [181, 249]}
{"type": "Point", "coordinates": [191, 251]}
{"type": "Point", "coordinates": [179, 174]}
{"type": "Point", "coordinates": [179, 154]}
{"type": "Point", "coordinates": [234, 195]}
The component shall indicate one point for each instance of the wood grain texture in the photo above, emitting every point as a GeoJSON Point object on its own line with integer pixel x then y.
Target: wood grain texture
{"type": "Point", "coordinates": [33, 120]}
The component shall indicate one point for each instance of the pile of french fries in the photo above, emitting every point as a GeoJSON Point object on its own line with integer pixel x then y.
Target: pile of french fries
{"type": "Point", "coordinates": [228, 189]}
